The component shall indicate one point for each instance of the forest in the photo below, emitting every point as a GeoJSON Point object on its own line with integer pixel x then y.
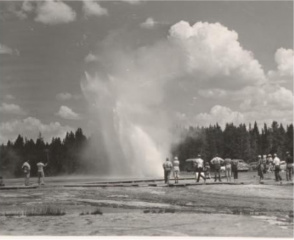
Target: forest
{"type": "Point", "coordinates": [73, 154]}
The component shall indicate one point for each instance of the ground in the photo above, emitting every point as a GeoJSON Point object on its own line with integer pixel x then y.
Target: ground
{"type": "Point", "coordinates": [245, 209]}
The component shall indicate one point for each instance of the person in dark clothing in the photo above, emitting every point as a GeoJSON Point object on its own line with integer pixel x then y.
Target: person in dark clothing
{"type": "Point", "coordinates": [235, 169]}
{"type": "Point", "coordinates": [260, 168]}
{"type": "Point", "coordinates": [289, 167]}
{"type": "Point", "coordinates": [167, 166]}
{"type": "Point", "coordinates": [217, 161]}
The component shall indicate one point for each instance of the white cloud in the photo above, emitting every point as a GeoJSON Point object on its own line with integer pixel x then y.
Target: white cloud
{"type": "Point", "coordinates": [11, 109]}
{"type": "Point", "coordinates": [5, 50]}
{"type": "Point", "coordinates": [284, 59]}
{"type": "Point", "coordinates": [215, 52]}
{"type": "Point", "coordinates": [66, 113]}
{"type": "Point", "coordinates": [54, 12]}
{"type": "Point", "coordinates": [92, 8]}
{"type": "Point", "coordinates": [30, 128]}
{"type": "Point", "coordinates": [149, 23]}
{"type": "Point", "coordinates": [221, 115]}
{"type": "Point", "coordinates": [91, 58]}
{"type": "Point", "coordinates": [284, 73]}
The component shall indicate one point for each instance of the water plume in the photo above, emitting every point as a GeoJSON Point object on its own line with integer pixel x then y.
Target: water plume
{"type": "Point", "coordinates": [132, 124]}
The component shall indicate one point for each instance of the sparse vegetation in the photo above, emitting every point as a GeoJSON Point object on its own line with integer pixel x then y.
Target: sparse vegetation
{"type": "Point", "coordinates": [95, 212]}
{"type": "Point", "coordinates": [46, 210]}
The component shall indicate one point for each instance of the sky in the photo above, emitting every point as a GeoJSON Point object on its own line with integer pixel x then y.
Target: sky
{"type": "Point", "coordinates": [200, 62]}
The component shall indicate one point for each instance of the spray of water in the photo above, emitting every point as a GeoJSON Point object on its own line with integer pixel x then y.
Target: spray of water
{"type": "Point", "coordinates": [133, 127]}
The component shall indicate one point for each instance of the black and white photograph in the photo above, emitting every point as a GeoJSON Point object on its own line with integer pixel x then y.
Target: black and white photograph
{"type": "Point", "coordinates": [144, 118]}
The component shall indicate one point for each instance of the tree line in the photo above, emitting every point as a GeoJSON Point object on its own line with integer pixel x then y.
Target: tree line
{"type": "Point", "coordinates": [73, 154]}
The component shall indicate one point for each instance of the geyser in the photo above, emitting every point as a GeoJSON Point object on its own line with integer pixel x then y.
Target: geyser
{"type": "Point", "coordinates": [133, 129]}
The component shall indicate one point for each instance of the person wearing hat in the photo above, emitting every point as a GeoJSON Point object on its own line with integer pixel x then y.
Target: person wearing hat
{"type": "Point", "coordinates": [167, 166]}
{"type": "Point", "coordinates": [176, 169]}
{"type": "Point", "coordinates": [277, 162]}
{"type": "Point", "coordinates": [260, 167]}
{"type": "Point", "coordinates": [289, 169]}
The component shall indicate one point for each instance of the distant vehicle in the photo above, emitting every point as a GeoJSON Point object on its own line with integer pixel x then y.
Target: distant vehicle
{"type": "Point", "coordinates": [253, 165]}
{"type": "Point", "coordinates": [189, 165]}
{"type": "Point", "coordinates": [242, 166]}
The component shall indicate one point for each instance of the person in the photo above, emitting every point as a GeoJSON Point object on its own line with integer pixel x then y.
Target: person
{"type": "Point", "coordinates": [269, 163]}
{"type": "Point", "coordinates": [206, 170]}
{"type": "Point", "coordinates": [289, 168]}
{"type": "Point", "coordinates": [41, 174]}
{"type": "Point", "coordinates": [176, 169]}
{"type": "Point", "coordinates": [217, 161]}
{"type": "Point", "coordinates": [26, 168]}
{"type": "Point", "coordinates": [228, 168]}
{"type": "Point", "coordinates": [235, 169]}
{"type": "Point", "coordinates": [200, 166]}
{"type": "Point", "coordinates": [167, 166]}
{"type": "Point", "coordinates": [277, 162]}
{"type": "Point", "coordinates": [264, 161]}
{"type": "Point", "coordinates": [260, 168]}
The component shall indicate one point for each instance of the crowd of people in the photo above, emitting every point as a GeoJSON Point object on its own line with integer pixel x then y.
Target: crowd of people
{"type": "Point", "coordinates": [265, 164]}
{"type": "Point", "coordinates": [269, 164]}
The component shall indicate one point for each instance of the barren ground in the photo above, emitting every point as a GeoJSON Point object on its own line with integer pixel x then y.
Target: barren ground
{"type": "Point", "coordinates": [241, 210]}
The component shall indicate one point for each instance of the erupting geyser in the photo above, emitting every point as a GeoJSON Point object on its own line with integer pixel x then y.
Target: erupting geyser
{"type": "Point", "coordinates": [134, 131]}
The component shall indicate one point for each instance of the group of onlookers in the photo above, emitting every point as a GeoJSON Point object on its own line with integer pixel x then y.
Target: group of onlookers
{"type": "Point", "coordinates": [268, 164]}
{"type": "Point", "coordinates": [26, 168]}
{"type": "Point", "coordinates": [202, 168]}
{"type": "Point", "coordinates": [230, 167]}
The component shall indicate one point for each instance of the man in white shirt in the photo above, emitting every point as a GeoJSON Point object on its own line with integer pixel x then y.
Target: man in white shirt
{"type": "Point", "coordinates": [277, 162]}
{"type": "Point", "coordinates": [217, 161]}
{"type": "Point", "coordinates": [200, 164]}
{"type": "Point", "coordinates": [41, 174]}
{"type": "Point", "coordinates": [176, 169]}
{"type": "Point", "coordinates": [26, 168]}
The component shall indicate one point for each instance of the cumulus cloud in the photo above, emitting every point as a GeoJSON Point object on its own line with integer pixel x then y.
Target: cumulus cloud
{"type": "Point", "coordinates": [5, 50]}
{"type": "Point", "coordinates": [11, 109]}
{"type": "Point", "coordinates": [92, 8]}
{"type": "Point", "coordinates": [284, 72]}
{"type": "Point", "coordinates": [67, 113]}
{"type": "Point", "coordinates": [54, 12]}
{"type": "Point", "coordinates": [221, 115]}
{"type": "Point", "coordinates": [214, 51]}
{"type": "Point", "coordinates": [149, 23]}
{"type": "Point", "coordinates": [30, 128]}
